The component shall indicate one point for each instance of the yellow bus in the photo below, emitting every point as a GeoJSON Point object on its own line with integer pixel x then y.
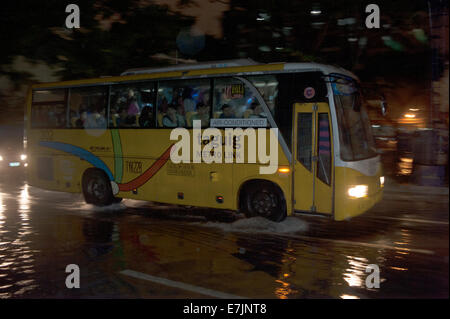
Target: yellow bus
{"type": "Point", "coordinates": [109, 138]}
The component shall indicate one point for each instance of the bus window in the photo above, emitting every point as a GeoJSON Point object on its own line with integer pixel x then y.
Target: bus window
{"type": "Point", "coordinates": [49, 109]}
{"type": "Point", "coordinates": [304, 139]}
{"type": "Point", "coordinates": [234, 99]}
{"type": "Point", "coordinates": [87, 107]}
{"type": "Point", "coordinates": [324, 149]}
{"type": "Point", "coordinates": [267, 86]}
{"type": "Point", "coordinates": [181, 102]}
{"type": "Point", "coordinates": [132, 105]}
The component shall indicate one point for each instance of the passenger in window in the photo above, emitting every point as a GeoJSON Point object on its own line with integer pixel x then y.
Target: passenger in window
{"type": "Point", "coordinates": [173, 119]}
{"type": "Point", "coordinates": [124, 120]}
{"type": "Point", "coordinates": [227, 112]}
{"type": "Point", "coordinates": [180, 109]}
{"type": "Point", "coordinates": [73, 118]}
{"type": "Point", "coordinates": [202, 114]}
{"type": "Point", "coordinates": [101, 118]}
{"type": "Point", "coordinates": [133, 107]}
{"type": "Point", "coordinates": [164, 105]}
{"type": "Point", "coordinates": [188, 102]}
{"type": "Point", "coordinates": [83, 117]}
{"type": "Point", "coordinates": [146, 118]}
{"type": "Point", "coordinates": [257, 111]}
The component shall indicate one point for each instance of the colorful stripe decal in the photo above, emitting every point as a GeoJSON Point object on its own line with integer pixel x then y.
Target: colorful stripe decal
{"type": "Point", "coordinates": [149, 173]}
{"type": "Point", "coordinates": [96, 162]}
{"type": "Point", "coordinates": [118, 160]}
{"type": "Point", "coordinates": [81, 153]}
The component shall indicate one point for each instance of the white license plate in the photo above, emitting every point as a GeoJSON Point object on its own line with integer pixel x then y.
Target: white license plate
{"type": "Point", "coordinates": [14, 164]}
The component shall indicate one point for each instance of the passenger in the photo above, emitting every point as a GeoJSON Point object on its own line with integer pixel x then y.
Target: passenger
{"type": "Point", "coordinates": [73, 118]}
{"type": "Point", "coordinates": [188, 102]}
{"type": "Point", "coordinates": [91, 120]}
{"type": "Point", "coordinates": [79, 123]}
{"type": "Point", "coordinates": [164, 105]}
{"type": "Point", "coordinates": [124, 120]}
{"type": "Point", "coordinates": [227, 112]}
{"type": "Point", "coordinates": [202, 114]}
{"type": "Point", "coordinates": [101, 118]}
{"type": "Point", "coordinates": [146, 118]}
{"type": "Point", "coordinates": [173, 119]}
{"type": "Point", "coordinates": [133, 107]}
{"type": "Point", "coordinates": [257, 111]}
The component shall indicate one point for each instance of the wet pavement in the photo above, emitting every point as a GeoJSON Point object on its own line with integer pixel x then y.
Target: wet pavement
{"type": "Point", "coordinates": [142, 250]}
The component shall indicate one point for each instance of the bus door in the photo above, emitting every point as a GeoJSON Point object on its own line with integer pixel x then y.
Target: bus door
{"type": "Point", "coordinates": [313, 158]}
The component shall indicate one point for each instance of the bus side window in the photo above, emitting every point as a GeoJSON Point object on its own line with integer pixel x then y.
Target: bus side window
{"type": "Point", "coordinates": [49, 108]}
{"type": "Point", "coordinates": [87, 107]}
{"type": "Point", "coordinates": [181, 102]}
{"type": "Point", "coordinates": [147, 96]}
{"type": "Point", "coordinates": [304, 139]}
{"type": "Point", "coordinates": [234, 99]}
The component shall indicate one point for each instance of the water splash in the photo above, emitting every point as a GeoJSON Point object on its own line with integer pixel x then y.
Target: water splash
{"type": "Point", "coordinates": [261, 225]}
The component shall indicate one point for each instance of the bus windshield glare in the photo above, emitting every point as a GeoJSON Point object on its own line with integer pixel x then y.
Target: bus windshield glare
{"type": "Point", "coordinates": [355, 134]}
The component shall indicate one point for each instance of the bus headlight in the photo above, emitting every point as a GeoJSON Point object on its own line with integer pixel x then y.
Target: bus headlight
{"type": "Point", "coordinates": [23, 157]}
{"type": "Point", "coordinates": [1, 158]}
{"type": "Point", "coordinates": [358, 191]}
{"type": "Point", "coordinates": [382, 181]}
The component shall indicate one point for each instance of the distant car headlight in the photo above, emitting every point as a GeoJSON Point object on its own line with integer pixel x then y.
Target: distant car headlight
{"type": "Point", "coordinates": [358, 191]}
{"type": "Point", "coordinates": [23, 157]}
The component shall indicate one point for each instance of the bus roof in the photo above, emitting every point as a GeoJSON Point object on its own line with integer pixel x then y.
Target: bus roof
{"type": "Point", "coordinates": [304, 66]}
{"type": "Point", "coordinates": [237, 67]}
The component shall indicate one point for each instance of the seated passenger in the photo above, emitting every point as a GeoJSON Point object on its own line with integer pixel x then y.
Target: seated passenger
{"type": "Point", "coordinates": [257, 111]}
{"type": "Point", "coordinates": [172, 118]}
{"type": "Point", "coordinates": [125, 120]}
{"type": "Point", "coordinates": [188, 102]}
{"type": "Point", "coordinates": [227, 112]}
{"type": "Point", "coordinates": [202, 115]}
{"type": "Point", "coordinates": [101, 118]}
{"type": "Point", "coordinates": [146, 118]}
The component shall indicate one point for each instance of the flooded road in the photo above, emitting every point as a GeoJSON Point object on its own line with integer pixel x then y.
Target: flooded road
{"type": "Point", "coordinates": [138, 250]}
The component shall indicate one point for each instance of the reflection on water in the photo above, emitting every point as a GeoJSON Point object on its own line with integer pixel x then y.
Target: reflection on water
{"type": "Point", "coordinates": [355, 275]}
{"type": "Point", "coordinates": [42, 231]}
{"type": "Point", "coordinates": [18, 258]}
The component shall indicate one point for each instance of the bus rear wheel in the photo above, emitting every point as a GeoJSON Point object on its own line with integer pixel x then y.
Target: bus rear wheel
{"type": "Point", "coordinates": [97, 188]}
{"type": "Point", "coordinates": [265, 200]}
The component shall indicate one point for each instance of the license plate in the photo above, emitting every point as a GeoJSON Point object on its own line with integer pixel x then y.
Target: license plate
{"type": "Point", "coordinates": [14, 164]}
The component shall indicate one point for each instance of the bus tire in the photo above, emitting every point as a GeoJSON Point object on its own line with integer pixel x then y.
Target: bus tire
{"type": "Point", "coordinates": [266, 200]}
{"type": "Point", "coordinates": [97, 188]}
{"type": "Point", "coordinates": [117, 200]}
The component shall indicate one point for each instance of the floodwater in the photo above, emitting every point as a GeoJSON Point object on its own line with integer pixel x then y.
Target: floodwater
{"type": "Point", "coordinates": [141, 250]}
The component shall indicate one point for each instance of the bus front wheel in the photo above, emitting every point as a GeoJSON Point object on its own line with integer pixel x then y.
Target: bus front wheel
{"type": "Point", "coordinates": [97, 188]}
{"type": "Point", "coordinates": [265, 200]}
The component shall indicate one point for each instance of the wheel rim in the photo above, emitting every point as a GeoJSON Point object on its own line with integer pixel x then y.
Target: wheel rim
{"type": "Point", "coordinates": [263, 203]}
{"type": "Point", "coordinates": [97, 188]}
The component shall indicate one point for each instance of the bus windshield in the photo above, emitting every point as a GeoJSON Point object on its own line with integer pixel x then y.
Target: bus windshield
{"type": "Point", "coordinates": [355, 133]}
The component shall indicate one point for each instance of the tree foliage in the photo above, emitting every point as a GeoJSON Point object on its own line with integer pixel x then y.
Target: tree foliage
{"type": "Point", "coordinates": [114, 35]}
